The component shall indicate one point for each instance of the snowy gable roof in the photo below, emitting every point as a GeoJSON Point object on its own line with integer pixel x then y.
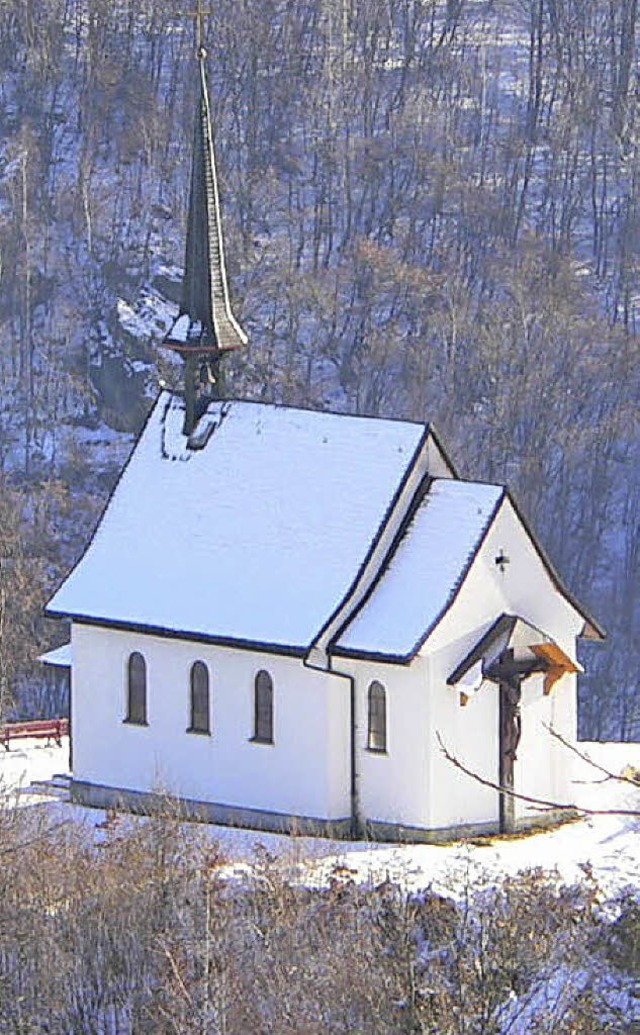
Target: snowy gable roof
{"type": "Point", "coordinates": [255, 538]}
{"type": "Point", "coordinates": [425, 571]}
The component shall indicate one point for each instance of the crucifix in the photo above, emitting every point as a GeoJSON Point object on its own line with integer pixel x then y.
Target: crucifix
{"type": "Point", "coordinates": [509, 672]}
{"type": "Point", "coordinates": [510, 733]}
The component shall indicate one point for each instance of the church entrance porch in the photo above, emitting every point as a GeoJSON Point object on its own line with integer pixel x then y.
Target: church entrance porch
{"type": "Point", "coordinates": [507, 655]}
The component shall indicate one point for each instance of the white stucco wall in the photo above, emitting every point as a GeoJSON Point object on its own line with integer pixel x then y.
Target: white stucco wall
{"type": "Point", "coordinates": [438, 465]}
{"type": "Point", "coordinates": [411, 783]}
{"type": "Point", "coordinates": [471, 733]}
{"type": "Point", "coordinates": [304, 772]}
{"type": "Point", "coordinates": [544, 767]}
{"type": "Point", "coordinates": [392, 787]}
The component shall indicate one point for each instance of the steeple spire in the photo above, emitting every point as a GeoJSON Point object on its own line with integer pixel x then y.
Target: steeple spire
{"type": "Point", "coordinates": [206, 328]}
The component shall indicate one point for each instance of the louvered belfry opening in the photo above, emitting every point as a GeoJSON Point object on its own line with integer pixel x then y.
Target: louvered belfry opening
{"type": "Point", "coordinates": [206, 328]}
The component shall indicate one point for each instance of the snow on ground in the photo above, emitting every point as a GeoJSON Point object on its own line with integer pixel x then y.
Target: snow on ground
{"type": "Point", "coordinates": [29, 760]}
{"type": "Point", "coordinates": [603, 849]}
{"type": "Point", "coordinates": [101, 446]}
{"type": "Point", "coordinates": [150, 316]}
{"type": "Point", "coordinates": [606, 847]}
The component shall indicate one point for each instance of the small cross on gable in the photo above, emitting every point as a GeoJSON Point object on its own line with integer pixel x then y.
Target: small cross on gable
{"type": "Point", "coordinates": [502, 561]}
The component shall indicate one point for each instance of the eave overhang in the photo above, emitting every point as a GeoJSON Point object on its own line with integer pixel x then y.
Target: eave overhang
{"type": "Point", "coordinates": [512, 647]}
{"type": "Point", "coordinates": [288, 650]}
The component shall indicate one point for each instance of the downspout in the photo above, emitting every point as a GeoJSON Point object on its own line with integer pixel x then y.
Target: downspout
{"type": "Point", "coordinates": [356, 826]}
{"type": "Point", "coordinates": [354, 795]}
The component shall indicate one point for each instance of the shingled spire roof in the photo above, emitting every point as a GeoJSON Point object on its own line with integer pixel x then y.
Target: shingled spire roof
{"type": "Point", "coordinates": [205, 323]}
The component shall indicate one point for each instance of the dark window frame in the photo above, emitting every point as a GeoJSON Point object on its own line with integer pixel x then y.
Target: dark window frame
{"type": "Point", "coordinates": [377, 718]}
{"type": "Point", "coordinates": [262, 708]}
{"type": "Point", "coordinates": [199, 710]}
{"type": "Point", "coordinates": [136, 690]}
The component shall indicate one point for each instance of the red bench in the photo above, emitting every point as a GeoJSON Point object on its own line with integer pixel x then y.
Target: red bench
{"type": "Point", "coordinates": [52, 729]}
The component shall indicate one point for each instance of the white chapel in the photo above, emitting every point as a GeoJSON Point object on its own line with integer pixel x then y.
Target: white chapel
{"type": "Point", "coordinates": [284, 615]}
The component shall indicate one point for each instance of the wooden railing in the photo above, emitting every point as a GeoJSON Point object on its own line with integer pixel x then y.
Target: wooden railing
{"type": "Point", "coordinates": [52, 729]}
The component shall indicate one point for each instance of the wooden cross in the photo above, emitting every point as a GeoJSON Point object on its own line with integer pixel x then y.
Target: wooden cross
{"type": "Point", "coordinates": [199, 16]}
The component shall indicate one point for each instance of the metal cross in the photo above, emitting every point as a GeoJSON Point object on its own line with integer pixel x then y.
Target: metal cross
{"type": "Point", "coordinates": [502, 560]}
{"type": "Point", "coordinates": [199, 15]}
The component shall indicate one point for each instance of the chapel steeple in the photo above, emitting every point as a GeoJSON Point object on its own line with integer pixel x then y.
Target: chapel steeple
{"type": "Point", "coordinates": [206, 328]}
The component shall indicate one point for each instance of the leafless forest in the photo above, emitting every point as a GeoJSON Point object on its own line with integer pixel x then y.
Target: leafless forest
{"type": "Point", "coordinates": [432, 210]}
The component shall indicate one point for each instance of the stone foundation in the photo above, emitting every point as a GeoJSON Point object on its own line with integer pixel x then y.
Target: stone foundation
{"type": "Point", "coordinates": [151, 803]}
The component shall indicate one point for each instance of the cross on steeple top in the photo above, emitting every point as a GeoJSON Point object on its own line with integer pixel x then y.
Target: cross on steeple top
{"type": "Point", "coordinates": [199, 16]}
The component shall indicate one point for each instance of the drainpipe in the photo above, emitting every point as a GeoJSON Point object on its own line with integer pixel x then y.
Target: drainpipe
{"type": "Point", "coordinates": [356, 824]}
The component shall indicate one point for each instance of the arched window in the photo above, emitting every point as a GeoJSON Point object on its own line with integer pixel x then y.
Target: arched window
{"type": "Point", "coordinates": [377, 738]}
{"type": "Point", "coordinates": [137, 689]}
{"type": "Point", "coordinates": [263, 708]}
{"type": "Point", "coordinates": [200, 722]}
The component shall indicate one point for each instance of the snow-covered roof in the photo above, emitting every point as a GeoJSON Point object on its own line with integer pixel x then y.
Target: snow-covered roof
{"type": "Point", "coordinates": [254, 538]}
{"type": "Point", "coordinates": [59, 657]}
{"type": "Point", "coordinates": [264, 527]}
{"type": "Point", "coordinates": [425, 571]}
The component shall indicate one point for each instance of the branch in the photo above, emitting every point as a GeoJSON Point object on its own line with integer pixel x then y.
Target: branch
{"type": "Point", "coordinates": [525, 797]}
{"type": "Point", "coordinates": [585, 758]}
{"type": "Point", "coordinates": [176, 973]}
{"type": "Point", "coordinates": [36, 839]}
